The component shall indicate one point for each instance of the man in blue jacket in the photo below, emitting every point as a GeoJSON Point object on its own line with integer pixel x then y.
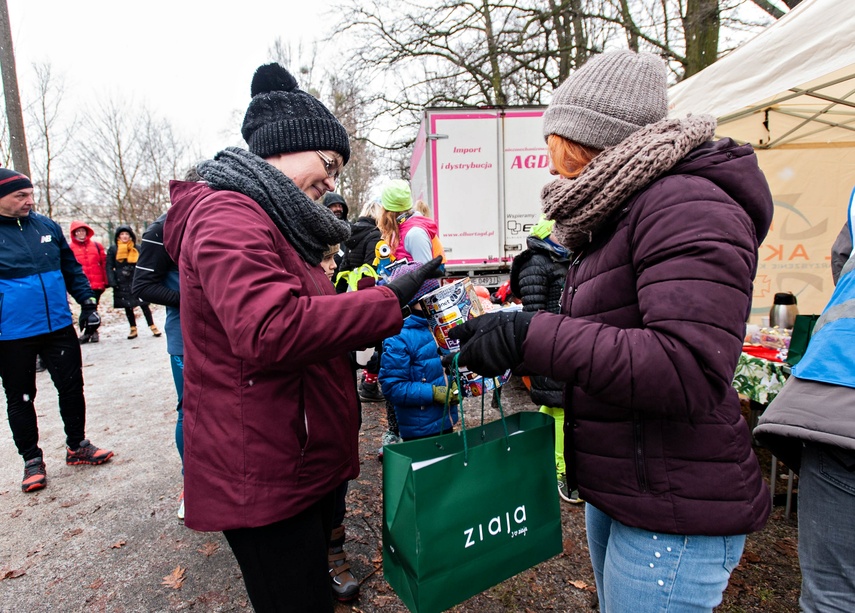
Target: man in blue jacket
{"type": "Point", "coordinates": [37, 267]}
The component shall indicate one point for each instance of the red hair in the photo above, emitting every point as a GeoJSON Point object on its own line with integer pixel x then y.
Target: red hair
{"type": "Point", "coordinates": [569, 158]}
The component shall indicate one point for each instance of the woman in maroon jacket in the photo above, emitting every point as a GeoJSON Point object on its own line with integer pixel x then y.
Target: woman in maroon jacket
{"type": "Point", "coordinates": [664, 225]}
{"type": "Point", "coordinates": [271, 417]}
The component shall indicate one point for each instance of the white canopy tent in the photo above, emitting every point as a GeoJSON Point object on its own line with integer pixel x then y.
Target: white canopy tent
{"type": "Point", "coordinates": [790, 92]}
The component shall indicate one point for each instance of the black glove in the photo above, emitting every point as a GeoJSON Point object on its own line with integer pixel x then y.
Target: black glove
{"type": "Point", "coordinates": [492, 343]}
{"type": "Point", "coordinates": [406, 286]}
{"type": "Point", "coordinates": [89, 319]}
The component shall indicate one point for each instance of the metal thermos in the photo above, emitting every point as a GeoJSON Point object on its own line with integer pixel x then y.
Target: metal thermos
{"type": "Point", "coordinates": [784, 310]}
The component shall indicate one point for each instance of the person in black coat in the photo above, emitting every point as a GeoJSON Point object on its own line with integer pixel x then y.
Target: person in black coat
{"type": "Point", "coordinates": [360, 249]}
{"type": "Point", "coordinates": [537, 278]}
{"type": "Point", "coordinates": [338, 207]}
{"type": "Point", "coordinates": [122, 259]}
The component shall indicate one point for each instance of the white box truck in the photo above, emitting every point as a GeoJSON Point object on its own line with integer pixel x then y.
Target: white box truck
{"type": "Point", "coordinates": [480, 170]}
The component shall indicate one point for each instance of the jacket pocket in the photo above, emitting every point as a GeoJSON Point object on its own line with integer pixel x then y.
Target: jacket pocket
{"type": "Point", "coordinates": [638, 452]}
{"type": "Point", "coordinates": [302, 433]}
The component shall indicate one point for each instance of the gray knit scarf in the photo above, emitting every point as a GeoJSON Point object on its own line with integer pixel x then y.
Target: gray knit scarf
{"type": "Point", "coordinates": [309, 227]}
{"type": "Point", "coordinates": [582, 206]}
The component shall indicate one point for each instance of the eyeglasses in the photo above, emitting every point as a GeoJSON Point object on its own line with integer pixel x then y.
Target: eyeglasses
{"type": "Point", "coordinates": [330, 166]}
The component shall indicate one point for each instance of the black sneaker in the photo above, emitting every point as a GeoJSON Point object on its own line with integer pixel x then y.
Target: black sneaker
{"type": "Point", "coordinates": [35, 475]}
{"type": "Point", "coordinates": [563, 489]}
{"type": "Point", "coordinates": [87, 453]}
{"type": "Point", "coordinates": [370, 392]}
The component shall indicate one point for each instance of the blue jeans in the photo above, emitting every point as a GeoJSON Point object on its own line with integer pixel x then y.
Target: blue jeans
{"type": "Point", "coordinates": [826, 535]}
{"type": "Point", "coordinates": [177, 363]}
{"type": "Point", "coordinates": [646, 572]}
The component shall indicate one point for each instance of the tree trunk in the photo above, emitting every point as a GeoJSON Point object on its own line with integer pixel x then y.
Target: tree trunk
{"type": "Point", "coordinates": [493, 53]}
{"type": "Point", "coordinates": [701, 27]}
{"type": "Point", "coordinates": [14, 112]}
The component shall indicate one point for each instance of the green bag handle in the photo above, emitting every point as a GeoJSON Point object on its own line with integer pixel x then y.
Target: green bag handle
{"type": "Point", "coordinates": [456, 377]}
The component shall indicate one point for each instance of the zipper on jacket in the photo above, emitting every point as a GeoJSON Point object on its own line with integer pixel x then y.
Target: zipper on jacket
{"type": "Point", "coordinates": [638, 440]}
{"type": "Point", "coordinates": [41, 280]}
{"type": "Point", "coordinates": [570, 284]}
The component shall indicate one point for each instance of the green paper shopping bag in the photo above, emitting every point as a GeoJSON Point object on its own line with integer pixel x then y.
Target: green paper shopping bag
{"type": "Point", "coordinates": [465, 511]}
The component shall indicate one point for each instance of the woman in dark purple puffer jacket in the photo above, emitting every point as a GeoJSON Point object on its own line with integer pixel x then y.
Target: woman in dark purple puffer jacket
{"type": "Point", "coordinates": [664, 225]}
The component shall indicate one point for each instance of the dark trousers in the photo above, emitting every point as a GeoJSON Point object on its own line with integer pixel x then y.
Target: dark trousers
{"type": "Point", "coordinates": [284, 564]}
{"type": "Point", "coordinates": [132, 318]}
{"type": "Point", "coordinates": [60, 352]}
{"type": "Point", "coordinates": [340, 507]}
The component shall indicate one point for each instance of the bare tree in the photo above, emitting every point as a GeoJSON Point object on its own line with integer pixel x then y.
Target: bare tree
{"type": "Point", "coordinates": [688, 33]}
{"type": "Point", "coordinates": [14, 112]}
{"type": "Point", "coordinates": [5, 146]}
{"type": "Point", "coordinates": [347, 102]}
{"type": "Point", "coordinates": [773, 10]}
{"type": "Point", "coordinates": [129, 155]}
{"type": "Point", "coordinates": [51, 138]}
{"type": "Point", "coordinates": [422, 53]}
{"type": "Point", "coordinates": [455, 53]}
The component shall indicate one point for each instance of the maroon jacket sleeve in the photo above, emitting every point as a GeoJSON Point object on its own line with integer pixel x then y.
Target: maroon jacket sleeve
{"type": "Point", "coordinates": [273, 306]}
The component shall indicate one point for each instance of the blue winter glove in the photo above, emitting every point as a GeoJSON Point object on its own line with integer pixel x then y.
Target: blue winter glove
{"type": "Point", "coordinates": [89, 319]}
{"type": "Point", "coordinates": [492, 343]}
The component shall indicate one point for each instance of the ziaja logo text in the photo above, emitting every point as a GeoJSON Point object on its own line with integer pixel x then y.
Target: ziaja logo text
{"type": "Point", "coordinates": [512, 525]}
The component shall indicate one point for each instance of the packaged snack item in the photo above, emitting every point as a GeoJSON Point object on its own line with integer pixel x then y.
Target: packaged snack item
{"type": "Point", "coordinates": [446, 307]}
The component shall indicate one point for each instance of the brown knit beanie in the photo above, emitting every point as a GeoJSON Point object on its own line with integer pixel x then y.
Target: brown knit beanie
{"type": "Point", "coordinates": [610, 97]}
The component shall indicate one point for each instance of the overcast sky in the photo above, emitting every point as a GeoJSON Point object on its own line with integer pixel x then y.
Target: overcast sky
{"type": "Point", "coordinates": [189, 60]}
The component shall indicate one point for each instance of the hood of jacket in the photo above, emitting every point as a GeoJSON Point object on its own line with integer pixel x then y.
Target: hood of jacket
{"type": "Point", "coordinates": [360, 230]}
{"type": "Point", "coordinates": [558, 253]}
{"type": "Point", "coordinates": [127, 229]}
{"type": "Point", "coordinates": [76, 225]}
{"type": "Point", "coordinates": [184, 196]}
{"type": "Point", "coordinates": [331, 198]}
{"type": "Point", "coordinates": [734, 169]}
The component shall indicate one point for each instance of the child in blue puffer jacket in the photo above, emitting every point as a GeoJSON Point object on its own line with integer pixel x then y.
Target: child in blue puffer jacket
{"type": "Point", "coordinates": [411, 373]}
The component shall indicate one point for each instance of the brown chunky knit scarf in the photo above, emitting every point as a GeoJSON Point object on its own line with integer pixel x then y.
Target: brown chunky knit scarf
{"type": "Point", "coordinates": [581, 206]}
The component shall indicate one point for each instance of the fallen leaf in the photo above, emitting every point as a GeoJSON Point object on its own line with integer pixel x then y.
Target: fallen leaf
{"type": "Point", "coordinates": [72, 533]}
{"type": "Point", "coordinates": [16, 513]}
{"type": "Point", "coordinates": [12, 574]}
{"type": "Point", "coordinates": [118, 545]}
{"type": "Point", "coordinates": [579, 584]}
{"type": "Point", "coordinates": [175, 579]}
{"type": "Point", "coordinates": [787, 546]}
{"type": "Point", "coordinates": [209, 548]}
{"type": "Point", "coordinates": [96, 584]}
{"type": "Point", "coordinates": [750, 556]}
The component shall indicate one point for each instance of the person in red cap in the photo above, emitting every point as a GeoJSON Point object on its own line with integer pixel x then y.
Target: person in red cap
{"type": "Point", "coordinates": [93, 258]}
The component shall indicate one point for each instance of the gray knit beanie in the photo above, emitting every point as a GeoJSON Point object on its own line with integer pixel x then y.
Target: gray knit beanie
{"type": "Point", "coordinates": [610, 97]}
{"type": "Point", "coordinates": [281, 118]}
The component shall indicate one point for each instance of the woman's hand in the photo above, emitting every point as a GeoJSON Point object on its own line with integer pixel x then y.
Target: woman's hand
{"type": "Point", "coordinates": [492, 343]}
